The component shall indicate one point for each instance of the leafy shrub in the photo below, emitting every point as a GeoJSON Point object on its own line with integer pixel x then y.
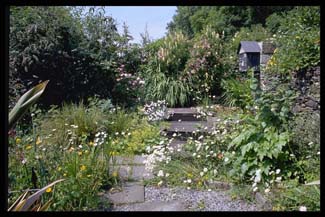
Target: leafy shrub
{"type": "Point", "coordinates": [165, 78]}
{"type": "Point", "coordinates": [86, 170]}
{"type": "Point", "coordinates": [293, 196]}
{"type": "Point", "coordinates": [120, 121]}
{"type": "Point", "coordinates": [261, 150]}
{"type": "Point", "coordinates": [72, 120]}
{"type": "Point", "coordinates": [58, 44]}
{"type": "Point", "coordinates": [206, 65]}
{"type": "Point", "coordinates": [298, 40]}
{"type": "Point", "coordinates": [306, 144]}
{"type": "Point", "coordinates": [59, 148]}
{"type": "Point", "coordinates": [196, 163]}
{"type": "Point", "coordinates": [137, 140]}
{"type": "Point", "coordinates": [237, 92]}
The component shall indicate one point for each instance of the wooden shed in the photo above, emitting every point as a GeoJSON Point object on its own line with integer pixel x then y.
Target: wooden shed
{"type": "Point", "coordinates": [249, 55]}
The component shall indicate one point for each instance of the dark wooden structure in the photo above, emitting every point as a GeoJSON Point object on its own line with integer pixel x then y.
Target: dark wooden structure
{"type": "Point", "coordinates": [249, 53]}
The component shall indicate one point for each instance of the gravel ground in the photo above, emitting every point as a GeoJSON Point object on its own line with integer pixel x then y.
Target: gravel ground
{"type": "Point", "coordinates": [194, 200]}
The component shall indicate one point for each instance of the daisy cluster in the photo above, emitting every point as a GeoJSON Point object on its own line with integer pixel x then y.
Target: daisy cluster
{"type": "Point", "coordinates": [156, 110]}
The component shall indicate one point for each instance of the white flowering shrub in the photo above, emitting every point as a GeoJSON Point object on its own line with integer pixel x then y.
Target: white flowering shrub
{"type": "Point", "coordinates": [158, 154]}
{"type": "Point", "coordinates": [196, 163]}
{"type": "Point", "coordinates": [156, 111]}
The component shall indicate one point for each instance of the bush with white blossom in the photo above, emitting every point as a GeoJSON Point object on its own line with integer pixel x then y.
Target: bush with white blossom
{"type": "Point", "coordinates": [156, 111]}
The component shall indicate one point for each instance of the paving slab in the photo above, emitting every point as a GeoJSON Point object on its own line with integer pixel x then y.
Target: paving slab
{"type": "Point", "coordinates": [182, 110]}
{"type": "Point", "coordinates": [188, 126]}
{"type": "Point", "coordinates": [161, 206]}
{"type": "Point", "coordinates": [132, 192]}
{"type": "Point", "coordinates": [127, 160]}
{"type": "Point", "coordinates": [131, 172]}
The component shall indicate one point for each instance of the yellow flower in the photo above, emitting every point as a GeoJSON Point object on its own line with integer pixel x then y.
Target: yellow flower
{"type": "Point", "coordinates": [199, 183]}
{"type": "Point", "coordinates": [18, 140]}
{"type": "Point", "coordinates": [114, 174]}
{"type": "Point", "coordinates": [59, 168]}
{"type": "Point", "coordinates": [48, 190]}
{"type": "Point", "coordinates": [28, 147]}
{"type": "Point", "coordinates": [83, 167]}
{"type": "Point", "coordinates": [89, 176]}
{"type": "Point", "coordinates": [86, 152]}
{"type": "Point", "coordinates": [79, 153]}
{"type": "Point", "coordinates": [64, 174]}
{"type": "Point", "coordinates": [38, 141]}
{"type": "Point", "coordinates": [190, 175]}
{"type": "Point", "coordinates": [91, 143]}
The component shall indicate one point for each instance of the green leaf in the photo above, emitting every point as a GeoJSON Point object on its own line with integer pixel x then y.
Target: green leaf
{"type": "Point", "coordinates": [25, 101]}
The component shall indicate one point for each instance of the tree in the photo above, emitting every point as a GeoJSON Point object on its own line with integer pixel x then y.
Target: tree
{"type": "Point", "coordinates": [77, 51]}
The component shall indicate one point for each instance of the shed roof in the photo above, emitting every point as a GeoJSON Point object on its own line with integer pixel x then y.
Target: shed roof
{"type": "Point", "coordinates": [249, 47]}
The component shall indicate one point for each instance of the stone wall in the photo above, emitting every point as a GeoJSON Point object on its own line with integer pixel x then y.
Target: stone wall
{"type": "Point", "coordinates": [305, 83]}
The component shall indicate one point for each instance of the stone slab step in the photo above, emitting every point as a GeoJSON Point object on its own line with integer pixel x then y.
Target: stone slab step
{"type": "Point", "coordinates": [188, 126]}
{"type": "Point", "coordinates": [185, 117]}
{"type": "Point", "coordinates": [183, 114]}
{"type": "Point", "coordinates": [132, 192]}
{"type": "Point", "coordinates": [127, 160]}
{"type": "Point", "coordinates": [131, 172]}
{"type": "Point", "coordinates": [161, 206]}
{"type": "Point", "coordinates": [182, 110]}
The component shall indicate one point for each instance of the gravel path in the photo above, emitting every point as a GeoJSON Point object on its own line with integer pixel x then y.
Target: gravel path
{"type": "Point", "coordinates": [194, 200]}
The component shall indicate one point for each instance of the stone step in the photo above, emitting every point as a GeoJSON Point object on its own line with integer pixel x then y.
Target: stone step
{"type": "Point", "coordinates": [173, 205]}
{"type": "Point", "coordinates": [127, 160]}
{"type": "Point", "coordinates": [132, 192]}
{"type": "Point", "coordinates": [189, 126]}
{"type": "Point", "coordinates": [185, 117]}
{"type": "Point", "coordinates": [131, 172]}
{"type": "Point", "coordinates": [182, 110]}
{"type": "Point", "coordinates": [183, 114]}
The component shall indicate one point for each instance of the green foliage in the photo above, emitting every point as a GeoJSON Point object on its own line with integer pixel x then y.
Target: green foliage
{"type": "Point", "coordinates": [298, 40]}
{"type": "Point", "coordinates": [306, 143]}
{"type": "Point", "coordinates": [199, 161]}
{"type": "Point", "coordinates": [262, 143]}
{"type": "Point", "coordinates": [191, 20]}
{"type": "Point", "coordinates": [253, 33]}
{"type": "Point", "coordinates": [120, 121]}
{"type": "Point", "coordinates": [237, 92]}
{"type": "Point", "coordinates": [292, 196]}
{"type": "Point", "coordinates": [88, 120]}
{"type": "Point", "coordinates": [79, 51]}
{"type": "Point", "coordinates": [31, 202]}
{"type": "Point", "coordinates": [164, 75]}
{"type": "Point", "coordinates": [68, 143]}
{"type": "Point", "coordinates": [137, 140]}
{"type": "Point", "coordinates": [206, 65]}
{"type": "Point", "coordinates": [25, 102]}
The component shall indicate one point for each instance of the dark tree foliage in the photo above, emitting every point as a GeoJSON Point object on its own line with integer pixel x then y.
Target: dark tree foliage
{"type": "Point", "coordinates": [79, 51]}
{"type": "Point", "coordinates": [191, 20]}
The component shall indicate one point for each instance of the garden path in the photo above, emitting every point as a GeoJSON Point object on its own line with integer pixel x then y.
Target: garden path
{"type": "Point", "coordinates": [135, 196]}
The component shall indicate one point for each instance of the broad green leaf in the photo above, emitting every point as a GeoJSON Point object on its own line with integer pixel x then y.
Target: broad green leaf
{"type": "Point", "coordinates": [31, 199]}
{"type": "Point", "coordinates": [25, 102]}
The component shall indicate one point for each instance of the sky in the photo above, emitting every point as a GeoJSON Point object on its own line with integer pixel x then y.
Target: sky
{"type": "Point", "coordinates": [137, 17]}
